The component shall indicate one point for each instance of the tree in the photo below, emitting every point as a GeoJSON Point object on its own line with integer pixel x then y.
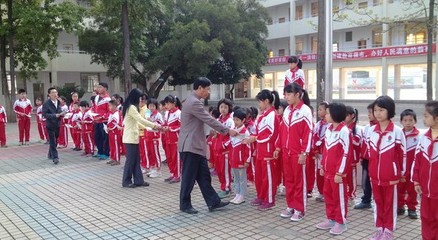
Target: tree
{"type": "Point", "coordinates": [30, 33]}
{"type": "Point", "coordinates": [320, 62]}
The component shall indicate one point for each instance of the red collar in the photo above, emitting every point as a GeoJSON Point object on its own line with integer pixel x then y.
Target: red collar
{"type": "Point", "coordinates": [224, 118]}
{"type": "Point", "coordinates": [338, 128]}
{"type": "Point", "coordinates": [351, 125]}
{"type": "Point", "coordinates": [389, 128]}
{"type": "Point", "coordinates": [265, 113]}
{"type": "Point", "coordinates": [299, 105]}
{"type": "Point", "coordinates": [173, 110]}
{"type": "Point", "coordinates": [414, 132]}
{"type": "Point", "coordinates": [294, 70]}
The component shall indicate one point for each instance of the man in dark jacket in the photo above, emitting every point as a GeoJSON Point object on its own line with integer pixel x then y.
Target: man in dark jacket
{"type": "Point", "coordinates": [53, 114]}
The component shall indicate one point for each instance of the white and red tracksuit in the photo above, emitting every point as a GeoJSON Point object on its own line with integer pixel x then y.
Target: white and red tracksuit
{"type": "Point", "coordinates": [267, 128]}
{"type": "Point", "coordinates": [63, 132]}
{"type": "Point", "coordinates": [70, 109]}
{"type": "Point", "coordinates": [87, 132]}
{"type": "Point", "coordinates": [240, 153]}
{"type": "Point", "coordinates": [250, 126]}
{"type": "Point", "coordinates": [356, 142]}
{"type": "Point", "coordinates": [221, 154]}
{"type": "Point", "coordinates": [406, 190]}
{"type": "Point", "coordinates": [317, 146]}
{"type": "Point", "coordinates": [163, 136]}
{"type": "Point", "coordinates": [295, 138]}
{"type": "Point", "coordinates": [153, 141]}
{"type": "Point", "coordinates": [23, 106]}
{"type": "Point", "coordinates": [75, 123]}
{"type": "Point", "coordinates": [335, 161]}
{"type": "Point", "coordinates": [114, 136]}
{"type": "Point", "coordinates": [41, 122]}
{"type": "Point", "coordinates": [294, 76]}
{"type": "Point", "coordinates": [173, 122]}
{"type": "Point", "coordinates": [3, 121]}
{"type": "Point", "coordinates": [425, 173]}
{"type": "Point", "coordinates": [387, 164]}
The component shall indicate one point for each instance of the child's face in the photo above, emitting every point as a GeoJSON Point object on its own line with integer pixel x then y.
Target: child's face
{"type": "Point", "coordinates": [22, 95]}
{"type": "Point", "coordinates": [370, 115]}
{"type": "Point", "coordinates": [112, 107]}
{"type": "Point", "coordinates": [237, 122]}
{"type": "Point", "coordinates": [292, 65]}
{"type": "Point", "coordinates": [162, 107]}
{"type": "Point", "coordinates": [328, 117]}
{"type": "Point", "coordinates": [62, 101]}
{"type": "Point", "coordinates": [408, 122]}
{"type": "Point", "coordinates": [75, 107]}
{"type": "Point", "coordinates": [321, 112]}
{"type": "Point", "coordinates": [264, 104]}
{"type": "Point", "coordinates": [349, 118]}
{"type": "Point", "coordinates": [38, 102]}
{"type": "Point", "coordinates": [223, 109]}
{"type": "Point", "coordinates": [83, 108]}
{"type": "Point", "coordinates": [280, 111]}
{"type": "Point", "coordinates": [292, 98]}
{"type": "Point", "coordinates": [430, 120]}
{"type": "Point", "coordinates": [169, 106]}
{"type": "Point", "coordinates": [75, 97]}
{"type": "Point", "coordinates": [152, 107]}
{"type": "Point", "coordinates": [380, 114]}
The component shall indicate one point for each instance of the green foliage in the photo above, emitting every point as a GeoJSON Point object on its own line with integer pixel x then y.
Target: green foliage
{"type": "Point", "coordinates": [67, 90]}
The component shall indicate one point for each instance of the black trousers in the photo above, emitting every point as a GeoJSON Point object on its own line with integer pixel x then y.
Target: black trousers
{"type": "Point", "coordinates": [195, 168]}
{"type": "Point", "coordinates": [366, 184]}
{"type": "Point", "coordinates": [101, 139]}
{"type": "Point", "coordinates": [53, 141]}
{"type": "Point", "coordinates": [132, 168]}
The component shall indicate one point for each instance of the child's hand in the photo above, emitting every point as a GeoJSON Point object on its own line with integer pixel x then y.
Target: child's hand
{"type": "Point", "coordinates": [338, 179]}
{"type": "Point", "coordinates": [417, 188]}
{"type": "Point", "coordinates": [321, 172]}
{"type": "Point", "coordinates": [246, 165]}
{"type": "Point", "coordinates": [403, 179]}
{"type": "Point", "coordinates": [276, 153]}
{"type": "Point", "coordinates": [302, 159]}
{"type": "Point", "coordinates": [210, 165]}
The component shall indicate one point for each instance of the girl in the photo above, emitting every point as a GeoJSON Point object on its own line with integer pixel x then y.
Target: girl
{"type": "Point", "coordinates": [294, 73]}
{"type": "Point", "coordinates": [74, 133]}
{"type": "Point", "coordinates": [280, 111]}
{"type": "Point", "coordinates": [221, 148]}
{"type": "Point", "coordinates": [74, 99]}
{"type": "Point", "coordinates": [113, 127]}
{"type": "Point", "coordinates": [294, 142]}
{"type": "Point", "coordinates": [311, 166]}
{"type": "Point", "coordinates": [335, 162]}
{"type": "Point", "coordinates": [63, 133]}
{"type": "Point", "coordinates": [75, 123]}
{"type": "Point", "coordinates": [357, 133]}
{"type": "Point", "coordinates": [164, 113]}
{"type": "Point", "coordinates": [211, 138]}
{"type": "Point", "coordinates": [425, 173]}
{"type": "Point", "coordinates": [172, 123]}
{"type": "Point", "coordinates": [387, 151]}
{"type": "Point", "coordinates": [153, 139]}
{"type": "Point", "coordinates": [265, 164]}
{"type": "Point", "coordinates": [317, 146]}
{"type": "Point", "coordinates": [87, 129]}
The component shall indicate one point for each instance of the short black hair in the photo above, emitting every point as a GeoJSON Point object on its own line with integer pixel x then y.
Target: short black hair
{"type": "Point", "coordinates": [408, 112]}
{"type": "Point", "coordinates": [84, 104]}
{"type": "Point", "coordinates": [283, 104]}
{"type": "Point", "coordinates": [432, 108]}
{"type": "Point", "coordinates": [296, 88]}
{"type": "Point", "coordinates": [215, 113]}
{"type": "Point", "coordinates": [370, 106]}
{"type": "Point", "coordinates": [75, 103]}
{"type": "Point", "coordinates": [63, 98]}
{"type": "Point", "coordinates": [103, 84]}
{"type": "Point", "coordinates": [152, 101]}
{"type": "Point", "coordinates": [227, 102]}
{"type": "Point", "coordinates": [92, 98]}
{"type": "Point", "coordinates": [48, 90]}
{"type": "Point", "coordinates": [387, 103]}
{"type": "Point", "coordinates": [324, 104]}
{"type": "Point", "coordinates": [201, 82]}
{"type": "Point", "coordinates": [337, 111]}
{"type": "Point", "coordinates": [271, 96]}
{"type": "Point", "coordinates": [21, 90]}
{"type": "Point", "coordinates": [113, 102]}
{"type": "Point", "coordinates": [240, 113]}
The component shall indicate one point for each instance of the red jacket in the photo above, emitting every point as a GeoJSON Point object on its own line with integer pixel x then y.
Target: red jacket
{"type": "Point", "coordinates": [295, 134]}
{"type": "Point", "coordinates": [151, 134]}
{"type": "Point", "coordinates": [387, 151]}
{"type": "Point", "coordinates": [173, 121]}
{"type": "Point", "coordinates": [39, 114]}
{"type": "Point", "coordinates": [337, 146]}
{"type": "Point", "coordinates": [114, 121]}
{"type": "Point", "coordinates": [101, 107]}
{"type": "Point", "coordinates": [412, 139]}
{"type": "Point", "coordinates": [222, 142]}
{"type": "Point", "coordinates": [240, 153]}
{"type": "Point", "coordinates": [294, 76]}
{"type": "Point", "coordinates": [3, 117]}
{"type": "Point", "coordinates": [425, 168]}
{"type": "Point", "coordinates": [87, 122]}
{"type": "Point", "coordinates": [318, 136]}
{"type": "Point", "coordinates": [75, 120]}
{"type": "Point", "coordinates": [267, 128]}
{"type": "Point", "coordinates": [23, 106]}
{"type": "Point", "coordinates": [364, 147]}
{"type": "Point", "coordinates": [356, 142]}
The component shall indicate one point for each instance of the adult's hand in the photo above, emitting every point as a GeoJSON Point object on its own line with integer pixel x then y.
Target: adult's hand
{"type": "Point", "coordinates": [232, 132]}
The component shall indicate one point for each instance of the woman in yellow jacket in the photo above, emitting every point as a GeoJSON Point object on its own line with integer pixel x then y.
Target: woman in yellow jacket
{"type": "Point", "coordinates": [132, 121]}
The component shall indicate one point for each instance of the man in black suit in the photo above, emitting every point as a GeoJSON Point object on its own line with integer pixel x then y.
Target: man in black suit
{"type": "Point", "coordinates": [53, 114]}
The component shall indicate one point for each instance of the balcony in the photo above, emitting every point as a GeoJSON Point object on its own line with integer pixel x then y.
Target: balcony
{"type": "Point", "coordinates": [278, 30]}
{"type": "Point", "coordinates": [270, 3]}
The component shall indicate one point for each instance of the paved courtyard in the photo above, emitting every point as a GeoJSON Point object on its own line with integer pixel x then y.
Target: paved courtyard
{"type": "Point", "coordinates": [82, 198]}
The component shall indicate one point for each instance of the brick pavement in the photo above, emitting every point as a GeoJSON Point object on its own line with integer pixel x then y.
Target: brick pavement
{"type": "Point", "coordinates": [82, 198]}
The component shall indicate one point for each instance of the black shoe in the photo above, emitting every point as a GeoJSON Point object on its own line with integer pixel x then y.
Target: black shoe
{"type": "Point", "coordinates": [217, 206]}
{"type": "Point", "coordinates": [55, 161]}
{"type": "Point", "coordinates": [145, 184]}
{"type": "Point", "coordinates": [130, 186]}
{"type": "Point", "coordinates": [190, 210]}
{"type": "Point", "coordinates": [401, 211]}
{"type": "Point", "coordinates": [363, 206]}
{"type": "Point", "coordinates": [412, 214]}
{"type": "Point", "coordinates": [78, 149]}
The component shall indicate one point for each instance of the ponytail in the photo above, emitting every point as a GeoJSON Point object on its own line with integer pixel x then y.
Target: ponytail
{"type": "Point", "coordinates": [296, 88]}
{"type": "Point", "coordinates": [355, 112]}
{"type": "Point", "coordinates": [276, 101]}
{"type": "Point", "coordinates": [173, 99]}
{"type": "Point", "coordinates": [272, 96]}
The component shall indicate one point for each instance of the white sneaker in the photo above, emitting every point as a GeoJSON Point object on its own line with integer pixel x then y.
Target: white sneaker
{"type": "Point", "coordinates": [297, 216]}
{"type": "Point", "coordinates": [239, 200]}
{"type": "Point", "coordinates": [287, 213]}
{"type": "Point", "coordinates": [235, 199]}
{"type": "Point", "coordinates": [154, 174]}
{"type": "Point", "coordinates": [143, 170]}
{"type": "Point", "coordinates": [149, 171]}
{"type": "Point", "coordinates": [281, 190]}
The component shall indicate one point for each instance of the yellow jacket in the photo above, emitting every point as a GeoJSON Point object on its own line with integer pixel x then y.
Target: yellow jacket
{"type": "Point", "coordinates": [141, 128]}
{"type": "Point", "coordinates": [132, 121]}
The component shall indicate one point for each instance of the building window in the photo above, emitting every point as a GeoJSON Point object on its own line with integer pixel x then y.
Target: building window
{"type": "Point", "coordinates": [271, 53]}
{"type": "Point", "coordinates": [362, 44]}
{"type": "Point", "coordinates": [281, 52]}
{"type": "Point", "coordinates": [298, 12]}
{"type": "Point", "coordinates": [314, 47]}
{"type": "Point", "coordinates": [89, 81]}
{"type": "Point", "coordinates": [377, 2]}
{"type": "Point", "coordinates": [282, 20]}
{"type": "Point", "coordinates": [84, 3]}
{"type": "Point", "coordinates": [67, 48]}
{"type": "Point", "coordinates": [416, 38]}
{"type": "Point", "coordinates": [363, 5]}
{"type": "Point", "coordinates": [299, 45]}
{"type": "Point", "coordinates": [377, 38]}
{"type": "Point", "coordinates": [349, 36]}
{"type": "Point", "coordinates": [268, 79]}
{"type": "Point", "coordinates": [335, 47]}
{"type": "Point", "coordinates": [314, 9]}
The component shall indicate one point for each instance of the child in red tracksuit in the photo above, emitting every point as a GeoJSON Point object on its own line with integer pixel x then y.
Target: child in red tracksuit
{"type": "Point", "coordinates": [3, 121]}
{"type": "Point", "coordinates": [267, 127]}
{"type": "Point", "coordinates": [41, 121]}
{"type": "Point", "coordinates": [153, 139]}
{"type": "Point", "coordinates": [294, 142]}
{"type": "Point", "coordinates": [87, 129]}
{"type": "Point", "coordinates": [211, 138]}
{"type": "Point", "coordinates": [311, 166]}
{"type": "Point", "coordinates": [251, 117]}
{"type": "Point", "coordinates": [164, 113]}
{"type": "Point", "coordinates": [114, 127]}
{"type": "Point", "coordinates": [317, 146]}
{"type": "Point", "coordinates": [63, 133]}
{"type": "Point", "coordinates": [75, 124]}
{"type": "Point", "coordinates": [357, 134]}
{"type": "Point", "coordinates": [73, 133]}
{"type": "Point", "coordinates": [425, 173]}
{"type": "Point", "coordinates": [23, 109]}
{"type": "Point", "coordinates": [386, 145]}
{"type": "Point", "coordinates": [281, 188]}
{"type": "Point", "coordinates": [405, 188]}
{"type": "Point", "coordinates": [221, 148]}
{"type": "Point", "coordinates": [172, 124]}
{"type": "Point", "coordinates": [335, 166]}
{"type": "Point", "coordinates": [239, 156]}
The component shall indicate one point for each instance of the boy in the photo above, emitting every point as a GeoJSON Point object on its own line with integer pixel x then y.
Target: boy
{"type": "Point", "coordinates": [87, 129]}
{"type": "Point", "coordinates": [23, 109]}
{"type": "Point", "coordinates": [3, 121]}
{"type": "Point", "coordinates": [75, 123]}
{"type": "Point", "coordinates": [113, 127]}
{"type": "Point", "coordinates": [41, 122]}
{"type": "Point", "coordinates": [63, 135]}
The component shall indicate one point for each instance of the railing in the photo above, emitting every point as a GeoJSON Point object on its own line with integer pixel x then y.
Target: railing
{"type": "Point", "coordinates": [71, 51]}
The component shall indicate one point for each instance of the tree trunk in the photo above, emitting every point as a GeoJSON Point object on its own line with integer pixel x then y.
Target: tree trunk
{"type": "Point", "coordinates": [126, 49]}
{"type": "Point", "coordinates": [155, 88]}
{"type": "Point", "coordinates": [430, 26]}
{"type": "Point", "coordinates": [320, 63]}
{"type": "Point", "coordinates": [9, 97]}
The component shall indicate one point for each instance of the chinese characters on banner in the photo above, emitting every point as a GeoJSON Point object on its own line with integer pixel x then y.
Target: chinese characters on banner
{"type": "Point", "coordinates": [396, 51]}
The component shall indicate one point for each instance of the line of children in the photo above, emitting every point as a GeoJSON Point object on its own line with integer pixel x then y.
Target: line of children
{"type": "Point", "coordinates": [63, 132]}
{"type": "Point", "coordinates": [318, 145]}
{"type": "Point", "coordinates": [357, 133]}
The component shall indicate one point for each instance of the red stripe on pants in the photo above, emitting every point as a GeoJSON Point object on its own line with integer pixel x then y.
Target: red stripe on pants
{"type": "Point", "coordinates": [76, 137]}
{"type": "Point", "coordinates": [250, 171]}
{"type": "Point", "coordinates": [24, 129]}
{"type": "Point", "coordinates": [294, 182]}
{"type": "Point", "coordinates": [223, 170]}
{"type": "Point", "coordinates": [154, 153]}
{"type": "Point", "coordinates": [114, 143]}
{"type": "Point", "coordinates": [88, 142]}
{"type": "Point", "coordinates": [351, 182]}
{"type": "Point", "coordinates": [144, 163]}
{"type": "Point", "coordinates": [429, 218]}
{"type": "Point", "coordinates": [41, 131]}
{"type": "Point", "coordinates": [335, 200]}
{"type": "Point", "coordinates": [63, 136]}
{"type": "Point", "coordinates": [385, 209]}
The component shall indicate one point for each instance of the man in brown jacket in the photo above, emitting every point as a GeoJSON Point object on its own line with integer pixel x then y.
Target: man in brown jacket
{"type": "Point", "coordinates": [192, 148]}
